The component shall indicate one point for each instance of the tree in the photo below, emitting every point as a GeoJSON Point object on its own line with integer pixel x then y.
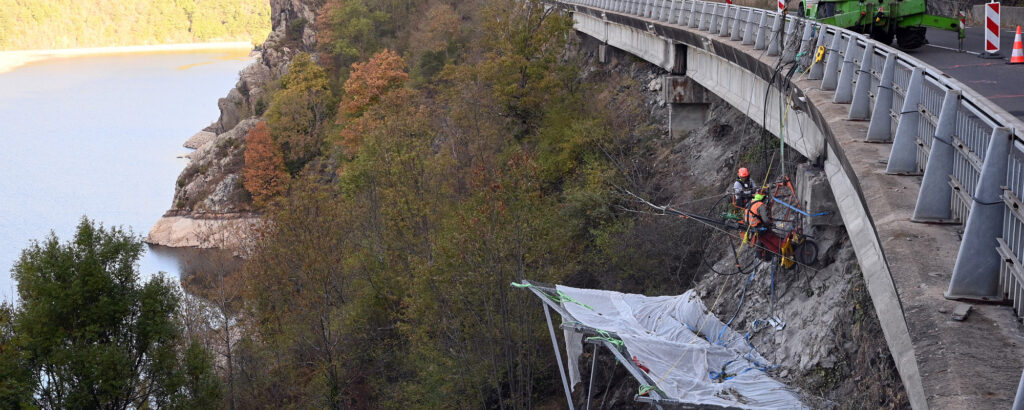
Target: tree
{"type": "Point", "coordinates": [347, 30]}
{"type": "Point", "coordinates": [369, 82]}
{"type": "Point", "coordinates": [297, 286]}
{"type": "Point", "coordinates": [384, 72]}
{"type": "Point", "coordinates": [264, 175]}
{"type": "Point", "coordinates": [91, 336]}
{"type": "Point", "coordinates": [298, 110]}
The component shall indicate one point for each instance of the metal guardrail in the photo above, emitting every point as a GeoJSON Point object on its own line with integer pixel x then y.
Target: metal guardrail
{"type": "Point", "coordinates": [938, 128]}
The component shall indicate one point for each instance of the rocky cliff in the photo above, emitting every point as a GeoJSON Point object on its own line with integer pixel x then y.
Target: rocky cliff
{"type": "Point", "coordinates": [816, 324]}
{"type": "Point", "coordinates": [210, 203]}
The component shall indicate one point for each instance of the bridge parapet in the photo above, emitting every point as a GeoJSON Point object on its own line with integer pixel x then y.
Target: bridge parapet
{"type": "Point", "coordinates": [970, 151]}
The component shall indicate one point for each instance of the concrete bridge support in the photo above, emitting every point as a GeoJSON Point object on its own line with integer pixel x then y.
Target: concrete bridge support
{"type": "Point", "coordinates": [689, 104]}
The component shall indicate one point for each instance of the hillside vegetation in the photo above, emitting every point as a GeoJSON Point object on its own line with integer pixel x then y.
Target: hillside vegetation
{"type": "Point", "coordinates": [54, 24]}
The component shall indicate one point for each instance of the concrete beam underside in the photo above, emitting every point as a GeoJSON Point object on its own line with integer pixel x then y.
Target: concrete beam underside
{"type": "Point", "coordinates": [943, 363]}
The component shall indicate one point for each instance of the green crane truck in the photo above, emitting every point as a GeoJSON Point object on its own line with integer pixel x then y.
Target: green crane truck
{"type": "Point", "coordinates": [904, 20]}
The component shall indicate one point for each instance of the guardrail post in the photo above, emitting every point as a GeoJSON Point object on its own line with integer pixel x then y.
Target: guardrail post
{"type": "Point", "coordinates": [788, 50]}
{"type": "Point", "coordinates": [727, 22]}
{"type": "Point", "coordinates": [762, 32]}
{"type": "Point", "coordinates": [976, 272]}
{"type": "Point", "coordinates": [933, 201]}
{"type": "Point", "coordinates": [705, 20]}
{"type": "Point", "coordinates": [773, 43]}
{"type": "Point", "coordinates": [817, 68]}
{"type": "Point", "coordinates": [903, 157]}
{"type": "Point", "coordinates": [844, 90]}
{"type": "Point", "coordinates": [723, 22]}
{"type": "Point", "coordinates": [861, 103]}
{"type": "Point", "coordinates": [831, 75]}
{"type": "Point", "coordinates": [748, 30]}
{"type": "Point", "coordinates": [736, 25]}
{"type": "Point", "coordinates": [1018, 401]}
{"type": "Point", "coordinates": [634, 7]}
{"type": "Point", "coordinates": [880, 128]}
{"type": "Point", "coordinates": [668, 14]}
{"type": "Point", "coordinates": [663, 10]}
{"type": "Point", "coordinates": [693, 22]}
{"type": "Point", "coordinates": [806, 54]}
{"type": "Point", "coordinates": [726, 29]}
{"type": "Point", "coordinates": [680, 20]}
{"type": "Point", "coordinates": [715, 26]}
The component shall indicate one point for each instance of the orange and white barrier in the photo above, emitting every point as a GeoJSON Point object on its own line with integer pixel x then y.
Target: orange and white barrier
{"type": "Point", "coordinates": [1017, 57]}
{"type": "Point", "coordinates": [991, 30]}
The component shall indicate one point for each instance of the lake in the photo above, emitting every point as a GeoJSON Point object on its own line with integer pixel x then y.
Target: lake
{"type": "Point", "coordinates": [99, 136]}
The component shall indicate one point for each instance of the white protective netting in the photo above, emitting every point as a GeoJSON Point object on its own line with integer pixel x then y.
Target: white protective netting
{"type": "Point", "coordinates": [685, 348]}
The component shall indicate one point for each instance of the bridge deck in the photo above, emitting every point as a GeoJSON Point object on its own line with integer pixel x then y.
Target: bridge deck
{"type": "Point", "coordinates": [975, 363]}
{"type": "Point", "coordinates": [1001, 83]}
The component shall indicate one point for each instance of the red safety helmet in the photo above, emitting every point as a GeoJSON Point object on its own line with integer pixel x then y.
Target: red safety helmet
{"type": "Point", "coordinates": [743, 173]}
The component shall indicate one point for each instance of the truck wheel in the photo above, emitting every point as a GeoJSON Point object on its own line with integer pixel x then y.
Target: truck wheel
{"type": "Point", "coordinates": [881, 35]}
{"type": "Point", "coordinates": [911, 37]}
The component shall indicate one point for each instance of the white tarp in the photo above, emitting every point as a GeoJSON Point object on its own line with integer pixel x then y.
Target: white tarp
{"type": "Point", "coordinates": [684, 347]}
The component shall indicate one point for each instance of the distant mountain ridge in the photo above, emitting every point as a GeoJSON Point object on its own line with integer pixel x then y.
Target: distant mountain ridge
{"type": "Point", "coordinates": [57, 24]}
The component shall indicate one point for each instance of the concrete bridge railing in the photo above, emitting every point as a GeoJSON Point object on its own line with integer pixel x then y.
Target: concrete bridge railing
{"type": "Point", "coordinates": [913, 106]}
{"type": "Point", "coordinates": [969, 151]}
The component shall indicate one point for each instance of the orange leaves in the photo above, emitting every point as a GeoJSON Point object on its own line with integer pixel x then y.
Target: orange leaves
{"type": "Point", "coordinates": [380, 78]}
{"type": "Point", "coordinates": [264, 174]}
{"type": "Point", "coordinates": [385, 71]}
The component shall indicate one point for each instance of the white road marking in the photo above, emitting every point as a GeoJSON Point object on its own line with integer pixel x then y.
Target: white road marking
{"type": "Point", "coordinates": [951, 48]}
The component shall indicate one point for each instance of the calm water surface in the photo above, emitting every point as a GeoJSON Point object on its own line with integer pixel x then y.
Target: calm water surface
{"type": "Point", "coordinates": [99, 136]}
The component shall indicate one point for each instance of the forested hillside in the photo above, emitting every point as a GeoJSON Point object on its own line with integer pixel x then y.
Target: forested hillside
{"type": "Point", "coordinates": [410, 159]}
{"type": "Point", "coordinates": [50, 24]}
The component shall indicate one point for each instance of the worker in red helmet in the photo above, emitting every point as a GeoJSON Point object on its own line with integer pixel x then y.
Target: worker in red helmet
{"type": "Point", "coordinates": [743, 188]}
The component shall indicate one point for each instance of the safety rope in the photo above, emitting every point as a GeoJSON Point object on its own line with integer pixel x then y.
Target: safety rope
{"type": "Point", "coordinates": [561, 298]}
{"type": "Point", "coordinates": [646, 388]}
{"type": "Point", "coordinates": [607, 337]}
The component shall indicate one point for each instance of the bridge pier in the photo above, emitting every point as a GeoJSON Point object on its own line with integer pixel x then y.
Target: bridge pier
{"type": "Point", "coordinates": [688, 102]}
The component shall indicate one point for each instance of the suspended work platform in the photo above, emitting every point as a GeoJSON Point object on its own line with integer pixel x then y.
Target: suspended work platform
{"type": "Point", "coordinates": [679, 352]}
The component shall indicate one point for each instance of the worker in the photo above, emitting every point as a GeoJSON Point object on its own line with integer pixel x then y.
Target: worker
{"type": "Point", "coordinates": [757, 216]}
{"type": "Point", "coordinates": [742, 189]}
{"type": "Point", "coordinates": [759, 220]}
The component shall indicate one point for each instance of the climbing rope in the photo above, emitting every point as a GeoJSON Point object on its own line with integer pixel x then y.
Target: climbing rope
{"type": "Point", "coordinates": [561, 298]}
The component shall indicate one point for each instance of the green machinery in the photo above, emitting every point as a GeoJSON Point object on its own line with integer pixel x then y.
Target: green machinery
{"type": "Point", "coordinates": [904, 20]}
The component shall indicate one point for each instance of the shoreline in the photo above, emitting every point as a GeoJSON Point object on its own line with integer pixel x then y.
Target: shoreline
{"type": "Point", "coordinates": [10, 60]}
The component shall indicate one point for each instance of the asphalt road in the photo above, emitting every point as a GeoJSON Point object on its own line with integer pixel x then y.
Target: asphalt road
{"type": "Point", "coordinates": [998, 81]}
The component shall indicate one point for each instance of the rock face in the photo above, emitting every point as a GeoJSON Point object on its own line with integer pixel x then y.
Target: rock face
{"type": "Point", "coordinates": [209, 196]}
{"type": "Point", "coordinates": [831, 346]}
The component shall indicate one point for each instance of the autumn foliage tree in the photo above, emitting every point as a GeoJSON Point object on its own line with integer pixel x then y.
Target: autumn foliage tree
{"type": "Point", "coordinates": [299, 110]}
{"type": "Point", "coordinates": [264, 174]}
{"type": "Point", "coordinates": [369, 82]}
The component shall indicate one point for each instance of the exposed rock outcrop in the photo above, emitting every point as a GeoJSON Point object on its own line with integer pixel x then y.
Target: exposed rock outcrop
{"type": "Point", "coordinates": [210, 187]}
{"type": "Point", "coordinates": [831, 347]}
